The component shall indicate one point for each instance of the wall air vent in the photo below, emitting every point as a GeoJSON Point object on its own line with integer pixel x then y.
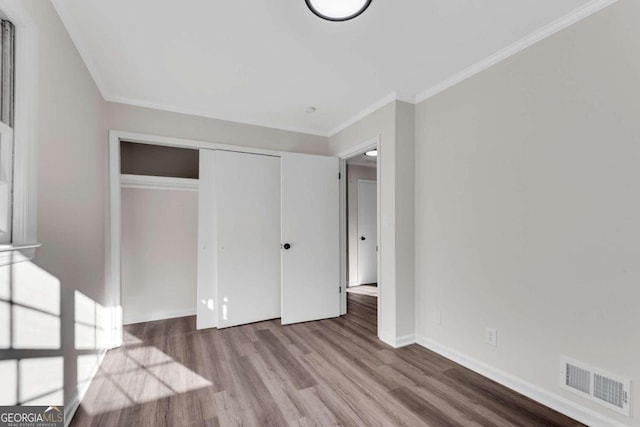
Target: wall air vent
{"type": "Point", "coordinates": [578, 378]}
{"type": "Point", "coordinates": [610, 390]}
{"type": "Point", "coordinates": [595, 384]}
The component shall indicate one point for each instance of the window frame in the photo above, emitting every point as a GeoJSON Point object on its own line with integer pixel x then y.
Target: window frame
{"type": "Point", "coordinates": [6, 184]}
{"type": "Point", "coordinates": [7, 104]}
{"type": "Point", "coordinates": [24, 213]}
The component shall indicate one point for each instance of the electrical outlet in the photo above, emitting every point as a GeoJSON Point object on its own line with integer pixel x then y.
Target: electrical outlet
{"type": "Point", "coordinates": [436, 317]}
{"type": "Point", "coordinates": [491, 336]}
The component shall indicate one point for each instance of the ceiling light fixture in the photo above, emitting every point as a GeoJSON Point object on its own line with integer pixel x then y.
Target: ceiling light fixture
{"type": "Point", "coordinates": [372, 153]}
{"type": "Point", "coordinates": [338, 10]}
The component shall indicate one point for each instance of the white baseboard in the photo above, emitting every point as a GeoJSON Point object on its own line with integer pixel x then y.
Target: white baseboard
{"type": "Point", "coordinates": [397, 342]}
{"type": "Point", "coordinates": [71, 407]}
{"type": "Point", "coordinates": [152, 317]}
{"type": "Point", "coordinates": [545, 397]}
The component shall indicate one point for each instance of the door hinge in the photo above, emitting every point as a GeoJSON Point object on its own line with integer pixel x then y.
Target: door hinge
{"type": "Point", "coordinates": [339, 175]}
{"type": "Point", "coordinates": [339, 289]}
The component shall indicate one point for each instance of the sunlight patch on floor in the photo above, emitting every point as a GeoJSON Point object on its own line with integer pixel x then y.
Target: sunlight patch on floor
{"type": "Point", "coordinates": [133, 375]}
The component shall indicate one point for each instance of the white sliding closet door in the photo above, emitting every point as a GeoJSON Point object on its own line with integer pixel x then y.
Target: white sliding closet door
{"type": "Point", "coordinates": [310, 237]}
{"type": "Point", "coordinates": [248, 232]}
{"type": "Point", "coordinates": [245, 236]}
{"type": "Point", "coordinates": [207, 304]}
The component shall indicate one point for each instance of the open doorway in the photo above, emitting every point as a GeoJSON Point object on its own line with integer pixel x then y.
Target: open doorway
{"type": "Point", "coordinates": [361, 236]}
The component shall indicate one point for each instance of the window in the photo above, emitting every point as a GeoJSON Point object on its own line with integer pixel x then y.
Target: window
{"type": "Point", "coordinates": [7, 96]}
{"type": "Point", "coordinates": [18, 132]}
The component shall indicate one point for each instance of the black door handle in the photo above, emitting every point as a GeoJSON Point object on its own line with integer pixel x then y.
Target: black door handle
{"type": "Point", "coordinates": [363, 238]}
{"type": "Point", "coordinates": [286, 246]}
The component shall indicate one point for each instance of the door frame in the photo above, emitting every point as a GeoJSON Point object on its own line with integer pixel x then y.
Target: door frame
{"type": "Point", "coordinates": [114, 208]}
{"type": "Point", "coordinates": [366, 181]}
{"type": "Point", "coordinates": [356, 150]}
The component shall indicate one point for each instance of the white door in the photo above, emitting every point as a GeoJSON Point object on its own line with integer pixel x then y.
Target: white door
{"type": "Point", "coordinates": [246, 211]}
{"type": "Point", "coordinates": [310, 238]}
{"type": "Point", "coordinates": [206, 305]}
{"type": "Point", "coordinates": [367, 232]}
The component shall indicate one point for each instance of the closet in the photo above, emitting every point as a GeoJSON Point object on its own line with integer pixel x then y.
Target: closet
{"type": "Point", "coordinates": [268, 238]}
{"type": "Point", "coordinates": [159, 231]}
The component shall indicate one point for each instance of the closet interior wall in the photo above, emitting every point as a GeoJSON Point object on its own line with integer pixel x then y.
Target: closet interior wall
{"type": "Point", "coordinates": [159, 231]}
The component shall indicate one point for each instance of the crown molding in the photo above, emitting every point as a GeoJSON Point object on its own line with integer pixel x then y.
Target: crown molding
{"type": "Point", "coordinates": [72, 29]}
{"type": "Point", "coordinates": [392, 97]}
{"type": "Point", "coordinates": [527, 41]}
{"type": "Point", "coordinates": [410, 99]}
{"type": "Point", "coordinates": [199, 113]}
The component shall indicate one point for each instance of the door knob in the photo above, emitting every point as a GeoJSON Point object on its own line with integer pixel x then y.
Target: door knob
{"type": "Point", "coordinates": [363, 238]}
{"type": "Point", "coordinates": [287, 246]}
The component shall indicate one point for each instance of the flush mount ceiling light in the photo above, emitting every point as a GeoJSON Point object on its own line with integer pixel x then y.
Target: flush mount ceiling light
{"type": "Point", "coordinates": [372, 153]}
{"type": "Point", "coordinates": [338, 10]}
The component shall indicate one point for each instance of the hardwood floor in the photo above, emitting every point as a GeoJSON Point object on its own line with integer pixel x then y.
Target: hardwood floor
{"type": "Point", "coordinates": [371, 290]}
{"type": "Point", "coordinates": [330, 372]}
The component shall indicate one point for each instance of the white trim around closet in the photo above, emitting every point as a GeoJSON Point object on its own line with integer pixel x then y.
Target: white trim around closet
{"type": "Point", "coordinates": [113, 252]}
{"type": "Point", "coordinates": [168, 141]}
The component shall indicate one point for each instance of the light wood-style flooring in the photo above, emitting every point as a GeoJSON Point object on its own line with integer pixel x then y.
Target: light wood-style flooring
{"type": "Point", "coordinates": [325, 373]}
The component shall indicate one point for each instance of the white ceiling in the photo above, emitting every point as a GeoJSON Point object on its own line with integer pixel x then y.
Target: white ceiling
{"type": "Point", "coordinates": [264, 61]}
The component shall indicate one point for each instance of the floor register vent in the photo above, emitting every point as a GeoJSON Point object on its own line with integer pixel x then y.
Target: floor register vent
{"type": "Point", "coordinates": [607, 389]}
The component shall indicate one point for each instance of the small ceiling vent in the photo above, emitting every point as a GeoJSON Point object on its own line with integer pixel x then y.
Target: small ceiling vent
{"type": "Point", "coordinates": [595, 384]}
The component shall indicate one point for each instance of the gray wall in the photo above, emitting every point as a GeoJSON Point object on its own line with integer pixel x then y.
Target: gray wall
{"type": "Point", "coordinates": [155, 122]}
{"type": "Point", "coordinates": [404, 181]}
{"type": "Point", "coordinates": [394, 125]}
{"type": "Point", "coordinates": [527, 209]}
{"type": "Point", "coordinates": [72, 179]}
{"type": "Point", "coordinates": [67, 276]}
{"type": "Point", "coordinates": [159, 254]}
